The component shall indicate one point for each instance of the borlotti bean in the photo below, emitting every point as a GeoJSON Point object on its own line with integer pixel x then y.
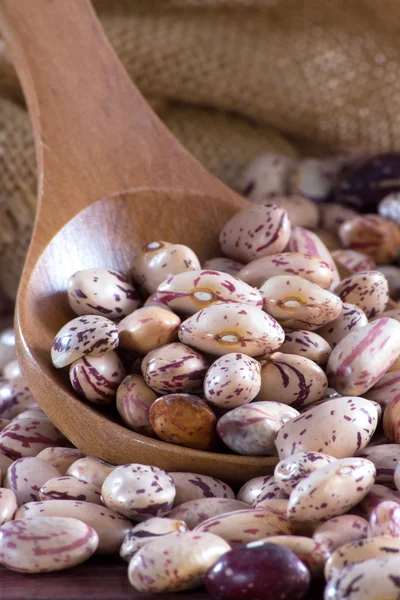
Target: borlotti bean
{"type": "Point", "coordinates": [307, 242]}
{"type": "Point", "coordinates": [88, 334]}
{"type": "Point", "coordinates": [342, 530]}
{"type": "Point", "coordinates": [391, 423]}
{"type": "Point", "coordinates": [363, 356]}
{"type": "Point", "coordinates": [313, 178]}
{"type": "Point", "coordinates": [312, 553]}
{"type": "Point", "coordinates": [308, 344]}
{"type": "Point", "coordinates": [369, 290]}
{"type": "Point", "coordinates": [312, 268]}
{"type": "Point", "coordinates": [8, 505]}
{"type": "Point", "coordinates": [220, 263]}
{"type": "Point", "coordinates": [377, 495]}
{"type": "Point", "coordinates": [7, 347]}
{"type": "Point", "coordinates": [27, 437]}
{"type": "Point", "coordinates": [332, 215]}
{"type": "Point", "coordinates": [26, 476]}
{"type": "Point", "coordinates": [195, 512]}
{"type": "Point", "coordinates": [61, 458]}
{"type": "Point", "coordinates": [302, 211]}
{"type": "Point", "coordinates": [96, 378]}
{"type": "Point", "coordinates": [270, 491]}
{"type": "Point", "coordinates": [90, 469]}
{"type": "Point", "coordinates": [385, 458]}
{"type": "Point", "coordinates": [174, 368]}
{"type": "Point", "coordinates": [15, 398]}
{"type": "Point", "coordinates": [159, 260]}
{"type": "Point", "coordinates": [12, 370]}
{"type": "Point", "coordinates": [250, 491]}
{"type": "Point", "coordinates": [331, 490]}
{"type": "Point", "coordinates": [385, 520]}
{"type": "Point", "coordinates": [339, 427]}
{"type": "Point", "coordinates": [110, 526]}
{"type": "Point", "coordinates": [232, 380]}
{"type": "Point", "coordinates": [175, 562]}
{"type": "Point", "coordinates": [248, 525]}
{"type": "Point", "coordinates": [278, 505]}
{"type": "Point", "coordinates": [392, 275]}
{"type": "Point", "coordinates": [376, 236]}
{"type": "Point", "coordinates": [101, 292]}
{"type": "Point", "coordinates": [251, 429]}
{"type": "Point", "coordinates": [5, 462]}
{"type": "Point", "coordinates": [187, 293]}
{"type": "Point", "coordinates": [299, 304]}
{"type": "Point", "coordinates": [225, 328]}
{"type": "Point", "coordinates": [266, 177]}
{"type": "Point", "coordinates": [70, 488]}
{"type": "Point", "coordinates": [293, 469]}
{"type": "Point", "coordinates": [193, 486]}
{"type": "Point", "coordinates": [139, 491]}
{"type": "Point", "coordinates": [361, 550]}
{"type": "Point", "coordinates": [148, 328]}
{"type": "Point", "coordinates": [292, 379]}
{"type": "Point", "coordinates": [260, 230]}
{"type": "Point", "coordinates": [353, 260]}
{"type": "Point", "coordinates": [146, 532]}
{"type": "Point", "coordinates": [44, 544]}
{"type": "Point", "coordinates": [134, 398]}
{"type": "Point", "coordinates": [351, 318]}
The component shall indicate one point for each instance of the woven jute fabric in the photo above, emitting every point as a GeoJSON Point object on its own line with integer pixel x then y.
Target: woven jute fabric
{"type": "Point", "coordinates": [232, 79]}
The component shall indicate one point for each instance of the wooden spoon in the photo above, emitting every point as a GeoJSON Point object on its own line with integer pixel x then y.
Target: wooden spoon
{"type": "Point", "coordinates": [111, 178]}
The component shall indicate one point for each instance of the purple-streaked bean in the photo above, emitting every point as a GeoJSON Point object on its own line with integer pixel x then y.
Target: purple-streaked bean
{"type": "Point", "coordinates": [392, 275]}
{"type": "Point", "coordinates": [307, 242]}
{"type": "Point", "coordinates": [8, 505]}
{"type": "Point", "coordinates": [376, 236]}
{"type": "Point", "coordinates": [352, 317]}
{"type": "Point", "coordinates": [302, 211]}
{"type": "Point", "coordinates": [260, 230]}
{"type": "Point", "coordinates": [391, 419]}
{"type": "Point", "coordinates": [232, 380]}
{"type": "Point", "coordinates": [159, 260]}
{"type": "Point", "coordinates": [353, 260]}
{"type": "Point", "coordinates": [359, 551]}
{"type": "Point", "coordinates": [195, 512]}
{"type": "Point", "coordinates": [96, 378]}
{"type": "Point", "coordinates": [250, 429]}
{"type": "Point", "coordinates": [368, 290]}
{"type": "Point", "coordinates": [175, 562]}
{"type": "Point", "coordinates": [69, 488]}
{"type": "Point", "coordinates": [331, 490]}
{"type": "Point", "coordinates": [15, 397]}
{"type": "Point", "coordinates": [61, 458]}
{"type": "Point", "coordinates": [278, 505]}
{"type": "Point", "coordinates": [44, 544]}
{"type": "Point", "coordinates": [194, 486]}
{"type": "Point", "coordinates": [7, 347]}
{"type": "Point", "coordinates": [146, 532]}
{"type": "Point", "coordinates": [12, 370]}
{"type": "Point", "coordinates": [148, 328]}
{"type": "Point", "coordinates": [333, 215]}
{"type": "Point", "coordinates": [265, 177]}
{"type": "Point", "coordinates": [134, 398]}
{"type": "Point", "coordinates": [90, 469]}
{"type": "Point", "coordinates": [250, 491]}
{"type": "Point", "coordinates": [299, 304]}
{"type": "Point", "coordinates": [385, 458]}
{"type": "Point", "coordinates": [292, 379]}
{"type": "Point", "coordinates": [101, 292]}
{"type": "Point", "coordinates": [109, 525]}
{"type": "Point", "coordinates": [139, 491]}
{"type": "Point", "coordinates": [248, 525]}
{"type": "Point", "coordinates": [26, 476]}
{"type": "Point", "coordinates": [312, 268]}
{"type": "Point", "coordinates": [385, 520]}
{"type": "Point", "coordinates": [154, 300]}
{"type": "Point", "coordinates": [221, 263]}
{"type": "Point", "coordinates": [242, 574]}
{"type": "Point", "coordinates": [308, 344]}
{"type": "Point", "coordinates": [389, 207]}
{"type": "Point", "coordinates": [363, 356]}
{"type": "Point", "coordinates": [312, 553]}
{"type": "Point", "coordinates": [339, 427]}
{"type": "Point", "coordinates": [187, 293]}
{"type": "Point", "coordinates": [377, 494]}
{"type": "Point", "coordinates": [174, 368]}
{"type": "Point", "coordinates": [27, 437]}
{"type": "Point", "coordinates": [342, 530]}
{"type": "Point", "coordinates": [367, 580]}
{"type": "Point", "coordinates": [290, 471]}
{"type": "Point", "coordinates": [224, 328]}
{"type": "Point", "coordinates": [84, 335]}
{"type": "Point", "coordinates": [269, 491]}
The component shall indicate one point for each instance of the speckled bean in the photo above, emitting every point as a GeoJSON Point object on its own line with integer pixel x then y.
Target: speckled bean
{"type": "Point", "coordinates": [333, 215]}
{"type": "Point", "coordinates": [84, 335]}
{"type": "Point", "coordinates": [278, 505]}
{"type": "Point", "coordinates": [391, 420]}
{"type": "Point", "coordinates": [385, 520]}
{"type": "Point", "coordinates": [90, 469]}
{"type": "Point", "coordinates": [250, 491]}
{"type": "Point", "coordinates": [376, 236]}
{"type": "Point", "coordinates": [266, 176]}
{"type": "Point", "coordinates": [250, 429]}
{"type": "Point", "coordinates": [159, 260]}
{"type": "Point", "coordinates": [232, 380]}
{"type": "Point", "coordinates": [292, 379]}
{"type": "Point", "coordinates": [224, 328]}
{"type": "Point", "coordinates": [109, 525]}
{"type": "Point", "coordinates": [27, 437]}
{"type": "Point", "coordinates": [385, 458]}
{"type": "Point", "coordinates": [290, 471]}
{"type": "Point", "coordinates": [221, 263]}
{"type": "Point", "coordinates": [70, 488]}
{"type": "Point", "coordinates": [342, 530]}
{"type": "Point", "coordinates": [134, 398]}
{"type": "Point", "coordinates": [377, 494]}
{"type": "Point", "coordinates": [44, 544]}
{"type": "Point", "coordinates": [101, 292]}
{"type": "Point", "coordinates": [146, 532]}
{"type": "Point", "coordinates": [148, 328]}
{"type": "Point", "coordinates": [26, 476]}
{"type": "Point", "coordinates": [393, 313]}
{"type": "Point", "coordinates": [187, 293]}
{"type": "Point", "coordinates": [15, 397]}
{"type": "Point", "coordinates": [269, 491]}
{"type": "Point", "coordinates": [307, 242]}
{"type": "Point", "coordinates": [195, 512]}
{"type": "Point", "coordinates": [174, 368]}
{"type": "Point", "coordinates": [8, 505]}
{"type": "Point", "coordinates": [248, 525]}
{"type": "Point", "coordinates": [61, 458]}
{"type": "Point", "coordinates": [363, 356]}
{"type": "Point", "coordinates": [312, 553]}
{"type": "Point", "coordinates": [392, 275]}
{"type": "Point", "coordinates": [12, 370]}
{"type": "Point", "coordinates": [7, 347]}
{"type": "Point", "coordinates": [175, 562]}
{"type": "Point", "coordinates": [299, 304]}
{"type": "Point", "coordinates": [339, 427]}
{"type": "Point", "coordinates": [302, 211]}
{"type": "Point", "coordinates": [353, 260]}
{"type": "Point", "coordinates": [352, 317]}
{"type": "Point", "coordinates": [96, 378]}
{"type": "Point", "coordinates": [194, 486]}
{"type": "Point", "coordinates": [308, 344]}
{"type": "Point", "coordinates": [368, 290]}
{"type": "Point", "coordinates": [139, 491]}
{"type": "Point", "coordinates": [5, 462]}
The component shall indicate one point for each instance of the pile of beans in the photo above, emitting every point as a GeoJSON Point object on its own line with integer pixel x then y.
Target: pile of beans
{"type": "Point", "coordinates": [203, 364]}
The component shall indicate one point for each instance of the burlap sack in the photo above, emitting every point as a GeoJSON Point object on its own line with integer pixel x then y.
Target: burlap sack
{"type": "Point", "coordinates": [232, 79]}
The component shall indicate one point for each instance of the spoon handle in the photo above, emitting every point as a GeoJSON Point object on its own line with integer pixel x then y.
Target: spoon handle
{"type": "Point", "coordinates": [95, 134]}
